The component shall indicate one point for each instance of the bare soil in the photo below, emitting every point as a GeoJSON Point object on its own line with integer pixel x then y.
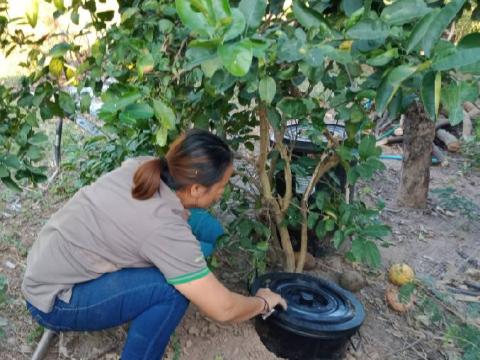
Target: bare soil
{"type": "Point", "coordinates": [442, 245]}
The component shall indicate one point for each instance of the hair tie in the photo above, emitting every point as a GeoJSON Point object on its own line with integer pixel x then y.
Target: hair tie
{"type": "Point", "coordinates": [163, 164]}
{"type": "Point", "coordinates": [165, 174]}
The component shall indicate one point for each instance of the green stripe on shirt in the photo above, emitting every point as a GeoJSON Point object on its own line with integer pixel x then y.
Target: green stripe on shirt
{"type": "Point", "coordinates": [182, 279]}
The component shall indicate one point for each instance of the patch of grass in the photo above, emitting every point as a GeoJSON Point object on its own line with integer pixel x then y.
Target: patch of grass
{"type": "Point", "coordinates": [467, 338]}
{"type": "Point", "coordinates": [3, 289]}
{"type": "Point", "coordinates": [12, 239]}
{"type": "Point", "coordinates": [34, 335]}
{"type": "Point", "coordinates": [176, 347]}
{"type": "Point", "coordinates": [453, 329]}
{"type": "Point", "coordinates": [3, 299]}
{"type": "Point", "coordinates": [471, 152]}
{"type": "Point", "coordinates": [449, 200]}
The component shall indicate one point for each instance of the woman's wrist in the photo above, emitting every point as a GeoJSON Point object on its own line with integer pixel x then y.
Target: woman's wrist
{"type": "Point", "coordinates": [265, 306]}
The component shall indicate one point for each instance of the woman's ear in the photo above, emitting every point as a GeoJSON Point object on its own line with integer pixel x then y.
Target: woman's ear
{"type": "Point", "coordinates": [197, 191]}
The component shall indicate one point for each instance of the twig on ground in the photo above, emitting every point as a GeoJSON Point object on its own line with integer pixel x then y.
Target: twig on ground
{"type": "Point", "coordinates": [406, 347]}
{"type": "Point", "coordinates": [446, 306]}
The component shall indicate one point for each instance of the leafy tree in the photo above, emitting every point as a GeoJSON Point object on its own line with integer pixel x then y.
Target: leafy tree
{"type": "Point", "coordinates": [247, 69]}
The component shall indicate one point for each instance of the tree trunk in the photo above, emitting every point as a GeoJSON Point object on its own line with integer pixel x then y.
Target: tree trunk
{"type": "Point", "coordinates": [419, 132]}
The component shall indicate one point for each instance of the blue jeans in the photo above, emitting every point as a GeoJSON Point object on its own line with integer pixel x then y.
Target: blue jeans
{"type": "Point", "coordinates": [141, 296]}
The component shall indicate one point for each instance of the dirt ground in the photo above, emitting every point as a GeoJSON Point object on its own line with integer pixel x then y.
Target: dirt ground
{"type": "Point", "coordinates": [441, 244]}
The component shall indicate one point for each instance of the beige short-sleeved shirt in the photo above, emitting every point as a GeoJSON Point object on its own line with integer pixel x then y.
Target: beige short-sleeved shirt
{"type": "Point", "coordinates": [103, 229]}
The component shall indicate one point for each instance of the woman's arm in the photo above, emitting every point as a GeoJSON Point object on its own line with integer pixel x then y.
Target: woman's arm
{"type": "Point", "coordinates": [223, 305]}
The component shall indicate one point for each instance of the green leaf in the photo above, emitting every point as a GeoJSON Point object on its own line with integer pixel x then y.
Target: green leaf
{"type": "Point", "coordinates": [195, 20]}
{"type": "Point", "coordinates": [165, 25]}
{"type": "Point", "coordinates": [368, 29]}
{"type": "Point", "coordinates": [439, 24]}
{"type": "Point", "coordinates": [75, 17]}
{"type": "Point", "coordinates": [197, 56]}
{"type": "Point", "coordinates": [372, 254]}
{"type": "Point", "coordinates": [85, 101]}
{"type": "Point", "coordinates": [236, 58]}
{"type": "Point", "coordinates": [59, 5]}
{"type": "Point", "coordinates": [66, 103]}
{"type": "Point", "coordinates": [236, 27]}
{"type": "Point", "coordinates": [391, 83]}
{"type": "Point", "coordinates": [145, 63]}
{"type": "Point", "coordinates": [307, 17]}
{"type": "Point", "coordinates": [290, 49]}
{"type": "Point", "coordinates": [161, 136]}
{"type": "Point", "coordinates": [106, 15]}
{"type": "Point", "coordinates": [38, 139]}
{"type": "Point", "coordinates": [253, 10]}
{"type": "Point", "coordinates": [312, 219]}
{"type": "Point", "coordinates": [461, 57]}
{"type": "Point", "coordinates": [128, 13]}
{"type": "Point", "coordinates": [12, 185]}
{"type": "Point", "coordinates": [368, 147]}
{"type": "Point", "coordinates": [114, 104]}
{"type": "Point", "coordinates": [219, 11]}
{"type": "Point", "coordinates": [34, 153]}
{"type": "Point", "coordinates": [262, 246]}
{"type": "Point", "coordinates": [350, 6]}
{"type": "Point", "coordinates": [209, 66]}
{"type": "Point", "coordinates": [451, 101]}
{"type": "Point", "coordinates": [431, 92]}
{"type": "Point", "coordinates": [12, 161]}
{"type": "Point", "coordinates": [139, 111]}
{"type": "Point", "coordinates": [340, 56]}
{"type": "Point", "coordinates": [384, 58]}
{"type": "Point", "coordinates": [315, 56]}
{"type": "Point", "coordinates": [292, 108]}
{"type": "Point", "coordinates": [4, 172]}
{"type": "Point", "coordinates": [376, 231]}
{"type": "Point", "coordinates": [338, 238]}
{"type": "Point", "coordinates": [421, 29]}
{"type": "Point", "coordinates": [405, 292]}
{"type": "Point", "coordinates": [32, 13]}
{"type": "Point", "coordinates": [267, 89]}
{"type": "Point", "coordinates": [274, 117]}
{"type": "Point", "coordinates": [453, 97]}
{"type": "Point", "coordinates": [164, 114]}
{"type": "Point", "coordinates": [60, 49]}
{"type": "Point", "coordinates": [404, 11]}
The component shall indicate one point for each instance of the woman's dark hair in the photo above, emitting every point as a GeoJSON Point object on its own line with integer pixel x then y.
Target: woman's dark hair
{"type": "Point", "coordinates": [196, 157]}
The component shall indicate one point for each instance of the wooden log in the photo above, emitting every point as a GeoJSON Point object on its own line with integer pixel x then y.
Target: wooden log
{"type": "Point", "coordinates": [467, 127]}
{"type": "Point", "coordinates": [442, 122]}
{"type": "Point", "coordinates": [390, 140]}
{"type": "Point", "coordinates": [468, 106]}
{"type": "Point", "coordinates": [449, 140]}
{"type": "Point", "coordinates": [474, 114]}
{"type": "Point", "coordinates": [438, 153]}
{"type": "Point", "coordinates": [399, 131]}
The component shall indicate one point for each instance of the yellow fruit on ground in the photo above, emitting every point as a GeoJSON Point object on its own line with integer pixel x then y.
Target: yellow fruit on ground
{"type": "Point", "coordinates": [56, 67]}
{"type": "Point", "coordinates": [400, 274]}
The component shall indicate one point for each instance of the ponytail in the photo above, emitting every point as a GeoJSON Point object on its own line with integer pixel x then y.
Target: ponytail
{"type": "Point", "coordinates": [196, 157]}
{"type": "Point", "coordinates": [146, 180]}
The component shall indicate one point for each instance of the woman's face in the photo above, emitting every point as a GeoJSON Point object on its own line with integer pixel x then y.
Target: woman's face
{"type": "Point", "coordinates": [206, 197]}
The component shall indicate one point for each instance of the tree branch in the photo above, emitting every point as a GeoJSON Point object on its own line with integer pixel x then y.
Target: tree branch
{"type": "Point", "coordinates": [327, 161]}
{"type": "Point", "coordinates": [267, 189]}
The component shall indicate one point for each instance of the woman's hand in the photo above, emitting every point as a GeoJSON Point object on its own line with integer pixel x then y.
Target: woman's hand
{"type": "Point", "coordinates": [272, 299]}
{"type": "Point", "coordinates": [223, 305]}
